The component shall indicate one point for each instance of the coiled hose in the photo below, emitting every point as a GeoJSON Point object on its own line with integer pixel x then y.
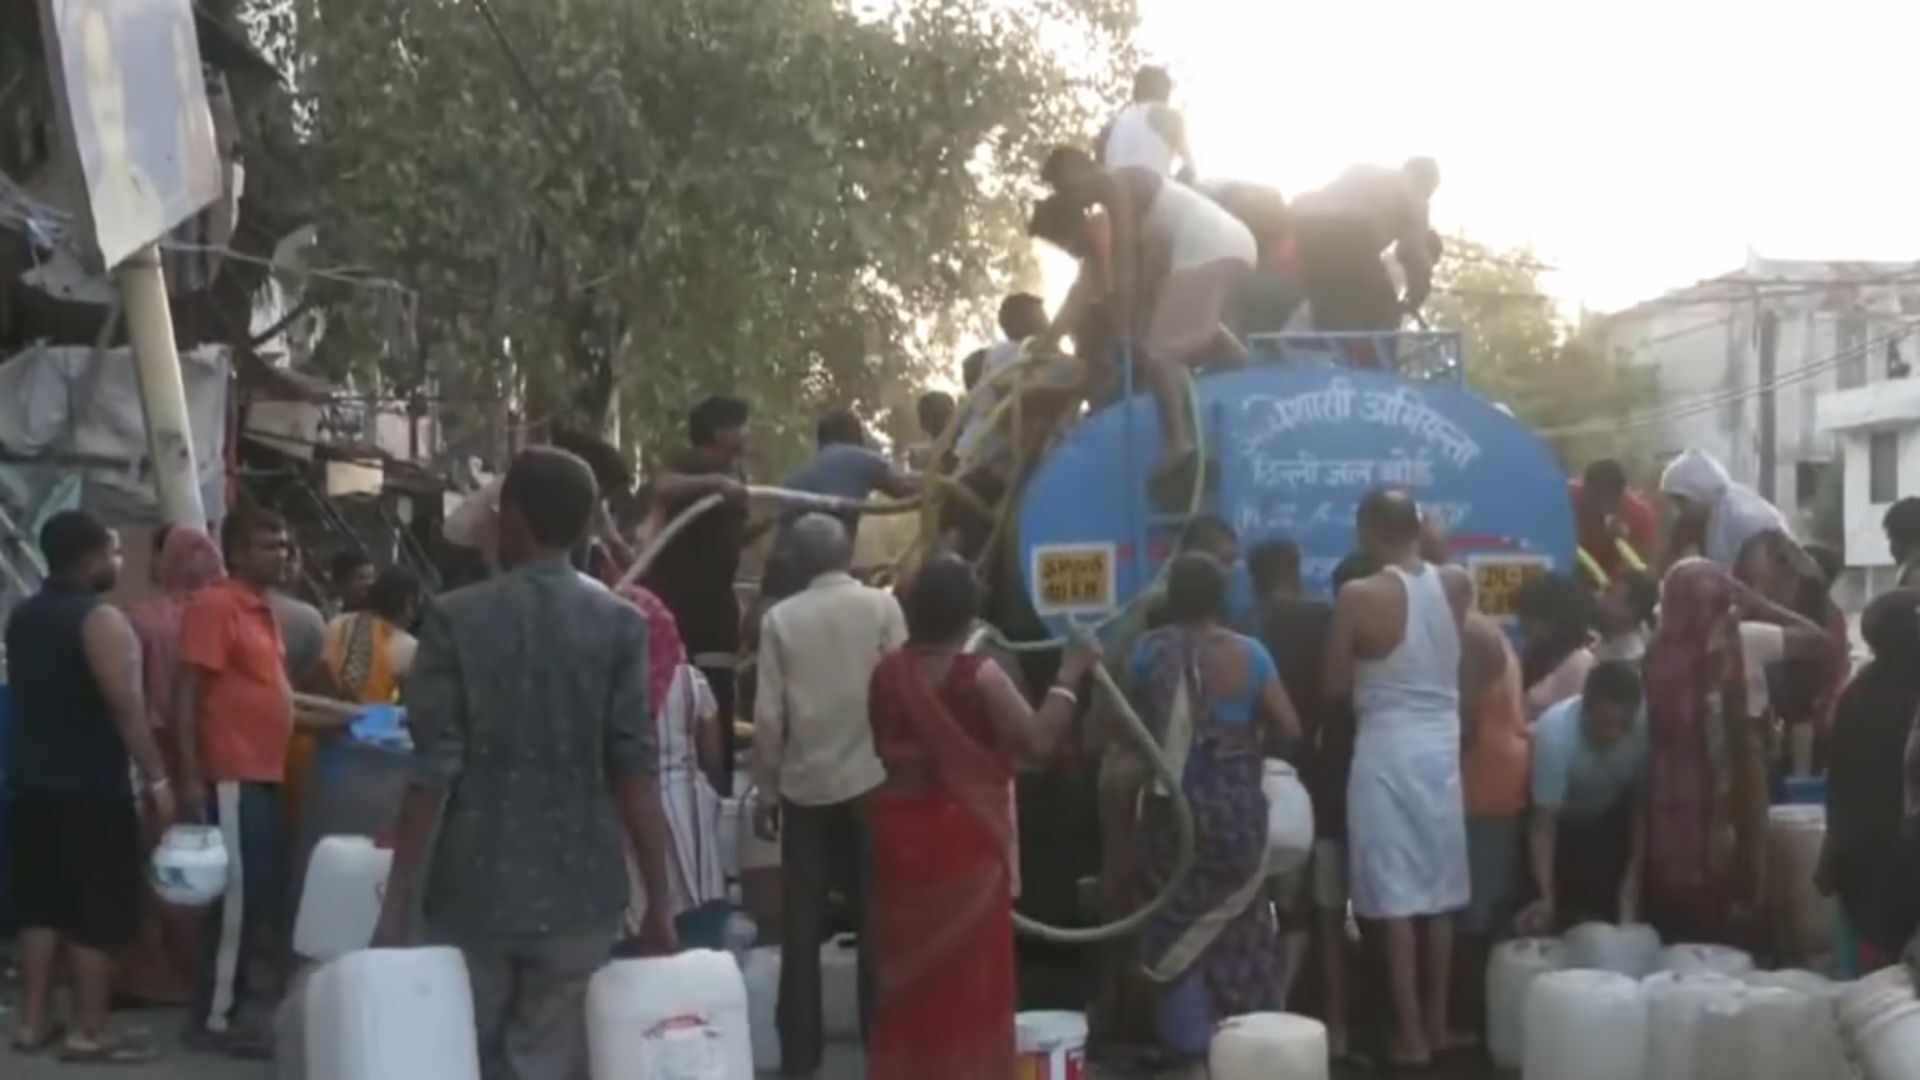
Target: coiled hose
{"type": "Point", "coordinates": [1131, 726]}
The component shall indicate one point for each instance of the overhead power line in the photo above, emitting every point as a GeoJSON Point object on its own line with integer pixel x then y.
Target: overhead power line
{"type": "Point", "coordinates": [1705, 403]}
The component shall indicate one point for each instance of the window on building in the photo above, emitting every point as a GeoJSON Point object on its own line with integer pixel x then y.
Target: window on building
{"type": "Point", "coordinates": [1808, 476]}
{"type": "Point", "coordinates": [1883, 467]}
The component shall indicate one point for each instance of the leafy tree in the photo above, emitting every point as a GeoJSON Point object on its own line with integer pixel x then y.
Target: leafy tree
{"type": "Point", "coordinates": [608, 208]}
{"type": "Point", "coordinates": [1522, 353]}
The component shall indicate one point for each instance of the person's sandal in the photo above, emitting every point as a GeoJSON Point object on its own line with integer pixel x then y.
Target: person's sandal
{"type": "Point", "coordinates": [27, 1047]}
{"type": "Point", "coordinates": [126, 1048]}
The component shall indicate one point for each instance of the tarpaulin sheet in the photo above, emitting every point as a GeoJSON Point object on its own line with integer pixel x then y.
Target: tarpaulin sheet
{"type": "Point", "coordinates": [58, 399]}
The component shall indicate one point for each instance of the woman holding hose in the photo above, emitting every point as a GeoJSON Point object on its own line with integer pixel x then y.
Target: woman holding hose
{"type": "Point", "coordinates": [1216, 704]}
{"type": "Point", "coordinates": [948, 725]}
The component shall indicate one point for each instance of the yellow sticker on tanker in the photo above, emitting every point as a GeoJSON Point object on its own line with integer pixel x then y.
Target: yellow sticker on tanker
{"type": "Point", "coordinates": [1498, 579]}
{"type": "Point", "coordinates": [1073, 579]}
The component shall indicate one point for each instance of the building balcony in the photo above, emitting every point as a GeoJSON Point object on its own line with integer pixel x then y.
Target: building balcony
{"type": "Point", "coordinates": [1892, 403]}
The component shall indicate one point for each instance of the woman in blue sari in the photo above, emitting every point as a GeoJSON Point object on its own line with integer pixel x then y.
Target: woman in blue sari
{"type": "Point", "coordinates": [1215, 703]}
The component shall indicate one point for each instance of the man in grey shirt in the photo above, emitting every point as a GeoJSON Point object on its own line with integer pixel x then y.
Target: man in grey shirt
{"type": "Point", "coordinates": [303, 631]}
{"type": "Point", "coordinates": [528, 707]}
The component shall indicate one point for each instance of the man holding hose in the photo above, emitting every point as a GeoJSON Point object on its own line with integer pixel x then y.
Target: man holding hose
{"type": "Point", "coordinates": [694, 573]}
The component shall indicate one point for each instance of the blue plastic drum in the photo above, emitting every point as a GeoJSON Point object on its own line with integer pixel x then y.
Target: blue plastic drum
{"type": "Point", "coordinates": [1296, 447]}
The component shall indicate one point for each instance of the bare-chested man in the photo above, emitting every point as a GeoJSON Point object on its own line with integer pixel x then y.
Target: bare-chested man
{"type": "Point", "coordinates": [1174, 258]}
{"type": "Point", "coordinates": [1343, 230]}
{"type": "Point", "coordinates": [1396, 643]}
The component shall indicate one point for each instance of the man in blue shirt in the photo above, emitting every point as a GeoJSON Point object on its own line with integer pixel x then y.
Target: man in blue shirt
{"type": "Point", "coordinates": [844, 467]}
{"type": "Point", "coordinates": [1588, 840]}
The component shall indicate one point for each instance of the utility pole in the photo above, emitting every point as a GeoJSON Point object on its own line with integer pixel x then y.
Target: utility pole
{"type": "Point", "coordinates": [163, 394]}
{"type": "Point", "coordinates": [117, 69]}
{"type": "Point", "coordinates": [1769, 406]}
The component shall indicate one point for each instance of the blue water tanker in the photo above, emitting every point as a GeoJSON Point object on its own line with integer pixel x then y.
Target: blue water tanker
{"type": "Point", "coordinates": [1294, 441]}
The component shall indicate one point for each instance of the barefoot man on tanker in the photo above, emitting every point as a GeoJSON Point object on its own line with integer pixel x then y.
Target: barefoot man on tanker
{"type": "Point", "coordinates": [1176, 259]}
{"type": "Point", "coordinates": [1396, 645]}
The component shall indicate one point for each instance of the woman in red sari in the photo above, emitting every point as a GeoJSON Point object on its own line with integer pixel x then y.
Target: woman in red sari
{"type": "Point", "coordinates": [948, 726]}
{"type": "Point", "coordinates": [1711, 726]}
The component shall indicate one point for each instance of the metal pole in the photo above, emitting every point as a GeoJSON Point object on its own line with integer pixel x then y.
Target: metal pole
{"type": "Point", "coordinates": [163, 396]}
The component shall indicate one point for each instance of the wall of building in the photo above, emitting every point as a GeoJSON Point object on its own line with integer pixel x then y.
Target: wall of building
{"type": "Point", "coordinates": [1703, 346]}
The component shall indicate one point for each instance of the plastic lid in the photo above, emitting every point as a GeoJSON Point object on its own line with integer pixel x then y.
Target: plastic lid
{"type": "Point", "coordinates": [1048, 1030]}
{"type": "Point", "coordinates": [188, 837]}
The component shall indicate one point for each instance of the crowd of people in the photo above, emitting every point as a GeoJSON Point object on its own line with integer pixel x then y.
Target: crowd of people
{"type": "Point", "coordinates": [192, 691]}
{"type": "Point", "coordinates": [575, 718]}
{"type": "Point", "coordinates": [1613, 762]}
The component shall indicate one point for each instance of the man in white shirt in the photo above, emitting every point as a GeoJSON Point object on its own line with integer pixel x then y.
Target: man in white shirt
{"type": "Point", "coordinates": [814, 760]}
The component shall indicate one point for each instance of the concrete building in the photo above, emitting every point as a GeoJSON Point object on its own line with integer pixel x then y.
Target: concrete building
{"type": "Point", "coordinates": [1877, 428]}
{"type": "Point", "coordinates": [1779, 370]}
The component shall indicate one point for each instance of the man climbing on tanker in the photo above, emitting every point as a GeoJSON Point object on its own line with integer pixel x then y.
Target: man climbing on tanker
{"type": "Point", "coordinates": [1149, 133]}
{"type": "Point", "coordinates": [1172, 260]}
{"type": "Point", "coordinates": [1343, 229]}
{"type": "Point", "coordinates": [1395, 648]}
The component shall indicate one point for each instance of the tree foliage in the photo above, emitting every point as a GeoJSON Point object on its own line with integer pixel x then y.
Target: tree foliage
{"type": "Point", "coordinates": [1522, 353]}
{"type": "Point", "coordinates": [630, 205]}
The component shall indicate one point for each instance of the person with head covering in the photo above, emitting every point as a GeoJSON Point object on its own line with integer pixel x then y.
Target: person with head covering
{"type": "Point", "coordinates": [686, 723]}
{"type": "Point", "coordinates": [1716, 517]}
{"type": "Point", "coordinates": [948, 724]}
{"type": "Point", "coordinates": [159, 967]}
{"type": "Point", "coordinates": [1709, 715]}
{"type": "Point", "coordinates": [1865, 778]}
{"type": "Point", "coordinates": [1214, 699]}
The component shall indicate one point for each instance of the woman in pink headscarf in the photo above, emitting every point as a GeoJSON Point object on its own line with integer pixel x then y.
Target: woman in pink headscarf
{"type": "Point", "coordinates": [158, 967]}
{"type": "Point", "coordinates": [1710, 720]}
{"type": "Point", "coordinates": [684, 715]}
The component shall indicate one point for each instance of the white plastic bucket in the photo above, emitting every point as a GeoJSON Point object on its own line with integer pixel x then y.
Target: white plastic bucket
{"type": "Point", "coordinates": [1863, 1002]}
{"type": "Point", "coordinates": [1802, 919]}
{"type": "Point", "coordinates": [1050, 1045]}
{"type": "Point", "coordinates": [1263, 1046]}
{"type": "Point", "coordinates": [761, 970]}
{"type": "Point", "coordinates": [1510, 971]}
{"type": "Point", "coordinates": [378, 1014]}
{"type": "Point", "coordinates": [1585, 1024]}
{"type": "Point", "coordinates": [340, 902]}
{"type": "Point", "coordinates": [1692, 959]}
{"type": "Point", "coordinates": [1889, 1044]}
{"type": "Point", "coordinates": [674, 1018]}
{"type": "Point", "coordinates": [1633, 949]}
{"type": "Point", "coordinates": [1790, 1036]}
{"type": "Point", "coordinates": [1675, 1005]}
{"type": "Point", "coordinates": [189, 865]}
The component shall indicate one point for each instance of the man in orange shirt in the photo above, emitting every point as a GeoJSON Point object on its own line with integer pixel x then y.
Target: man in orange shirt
{"type": "Point", "coordinates": [236, 720]}
{"type": "Point", "coordinates": [1605, 512]}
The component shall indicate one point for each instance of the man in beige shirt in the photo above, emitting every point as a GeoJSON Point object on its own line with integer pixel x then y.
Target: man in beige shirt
{"type": "Point", "coordinates": [814, 759]}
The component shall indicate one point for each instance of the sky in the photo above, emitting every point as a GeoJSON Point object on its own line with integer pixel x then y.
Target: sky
{"type": "Point", "coordinates": [1635, 146]}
